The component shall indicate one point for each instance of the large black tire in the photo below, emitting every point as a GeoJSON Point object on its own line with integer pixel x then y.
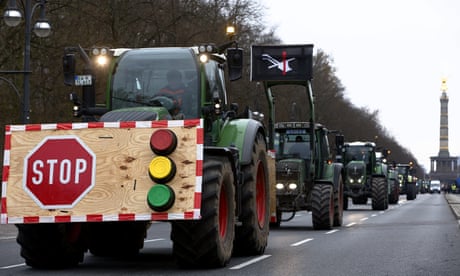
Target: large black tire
{"type": "Point", "coordinates": [379, 193]}
{"type": "Point", "coordinates": [411, 192]}
{"type": "Point", "coordinates": [51, 246]}
{"type": "Point", "coordinates": [394, 194]}
{"type": "Point", "coordinates": [251, 236]}
{"type": "Point", "coordinates": [338, 204]}
{"type": "Point", "coordinates": [209, 241]}
{"type": "Point", "coordinates": [322, 203]}
{"type": "Point", "coordinates": [121, 238]}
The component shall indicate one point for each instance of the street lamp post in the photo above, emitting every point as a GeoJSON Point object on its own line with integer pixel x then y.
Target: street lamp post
{"type": "Point", "coordinates": [42, 28]}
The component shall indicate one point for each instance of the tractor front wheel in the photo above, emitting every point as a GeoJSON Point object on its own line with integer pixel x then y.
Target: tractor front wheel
{"type": "Point", "coordinates": [209, 241]}
{"type": "Point", "coordinates": [252, 235]}
{"type": "Point", "coordinates": [322, 206]}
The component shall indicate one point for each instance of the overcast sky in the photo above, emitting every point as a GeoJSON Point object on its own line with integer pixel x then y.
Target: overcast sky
{"type": "Point", "coordinates": [390, 56]}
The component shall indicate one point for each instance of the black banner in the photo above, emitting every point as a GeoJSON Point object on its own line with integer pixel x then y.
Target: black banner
{"type": "Point", "coordinates": [281, 62]}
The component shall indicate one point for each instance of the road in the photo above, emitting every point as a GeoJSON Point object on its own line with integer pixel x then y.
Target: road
{"type": "Point", "coordinates": [419, 237]}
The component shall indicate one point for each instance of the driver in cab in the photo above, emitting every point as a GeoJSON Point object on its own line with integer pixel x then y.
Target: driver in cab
{"type": "Point", "coordinates": [175, 90]}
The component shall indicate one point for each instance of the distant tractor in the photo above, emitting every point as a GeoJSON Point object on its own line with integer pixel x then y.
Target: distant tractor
{"type": "Point", "coordinates": [365, 175]}
{"type": "Point", "coordinates": [407, 181]}
{"type": "Point", "coordinates": [306, 177]}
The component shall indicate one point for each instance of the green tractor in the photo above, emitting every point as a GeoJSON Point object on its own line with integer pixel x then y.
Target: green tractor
{"type": "Point", "coordinates": [211, 184]}
{"type": "Point", "coordinates": [407, 180]}
{"type": "Point", "coordinates": [365, 175]}
{"type": "Point", "coordinates": [306, 177]}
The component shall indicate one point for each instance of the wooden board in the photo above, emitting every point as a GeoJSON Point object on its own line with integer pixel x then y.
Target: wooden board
{"type": "Point", "coordinates": [123, 155]}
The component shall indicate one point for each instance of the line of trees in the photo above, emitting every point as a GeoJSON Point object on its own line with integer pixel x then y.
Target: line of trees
{"type": "Point", "coordinates": [160, 23]}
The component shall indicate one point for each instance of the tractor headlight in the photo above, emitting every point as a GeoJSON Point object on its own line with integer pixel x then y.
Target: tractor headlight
{"type": "Point", "coordinates": [279, 186]}
{"type": "Point", "coordinates": [292, 186]}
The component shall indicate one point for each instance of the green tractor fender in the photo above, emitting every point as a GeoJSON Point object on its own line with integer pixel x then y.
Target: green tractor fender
{"type": "Point", "coordinates": [241, 134]}
{"type": "Point", "coordinates": [331, 174]}
{"type": "Point", "coordinates": [380, 170]}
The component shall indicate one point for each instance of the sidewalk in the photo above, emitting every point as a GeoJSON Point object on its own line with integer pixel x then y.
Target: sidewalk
{"type": "Point", "coordinates": [454, 202]}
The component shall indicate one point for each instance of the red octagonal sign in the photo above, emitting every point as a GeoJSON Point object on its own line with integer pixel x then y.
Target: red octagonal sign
{"type": "Point", "coordinates": [59, 172]}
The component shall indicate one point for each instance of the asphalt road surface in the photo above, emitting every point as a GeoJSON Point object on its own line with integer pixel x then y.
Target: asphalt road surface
{"type": "Point", "coordinates": [419, 237]}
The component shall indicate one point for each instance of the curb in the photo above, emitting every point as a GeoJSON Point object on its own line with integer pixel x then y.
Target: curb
{"type": "Point", "coordinates": [454, 202]}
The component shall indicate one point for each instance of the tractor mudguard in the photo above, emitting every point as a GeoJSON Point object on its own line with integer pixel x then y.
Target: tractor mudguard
{"type": "Point", "coordinates": [331, 175]}
{"type": "Point", "coordinates": [338, 168]}
{"type": "Point", "coordinates": [231, 136]}
{"type": "Point", "coordinates": [380, 170]}
{"type": "Point", "coordinates": [231, 153]}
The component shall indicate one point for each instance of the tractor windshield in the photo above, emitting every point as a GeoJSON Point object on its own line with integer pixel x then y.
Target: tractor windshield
{"type": "Point", "coordinates": [293, 143]}
{"type": "Point", "coordinates": [142, 75]}
{"type": "Point", "coordinates": [357, 154]}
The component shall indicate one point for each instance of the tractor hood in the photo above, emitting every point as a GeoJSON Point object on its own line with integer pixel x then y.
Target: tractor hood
{"type": "Point", "coordinates": [293, 165]}
{"type": "Point", "coordinates": [136, 114]}
{"type": "Point", "coordinates": [356, 172]}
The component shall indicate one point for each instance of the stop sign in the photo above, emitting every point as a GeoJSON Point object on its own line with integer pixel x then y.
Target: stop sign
{"type": "Point", "coordinates": [59, 172]}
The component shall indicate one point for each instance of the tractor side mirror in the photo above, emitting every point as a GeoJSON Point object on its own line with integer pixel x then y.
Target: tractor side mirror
{"type": "Point", "coordinates": [68, 64]}
{"type": "Point", "coordinates": [339, 141]}
{"type": "Point", "coordinates": [235, 63]}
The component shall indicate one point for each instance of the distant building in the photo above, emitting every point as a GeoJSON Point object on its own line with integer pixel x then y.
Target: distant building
{"type": "Point", "coordinates": [444, 167]}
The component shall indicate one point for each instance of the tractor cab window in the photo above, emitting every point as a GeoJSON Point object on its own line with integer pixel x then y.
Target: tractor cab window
{"type": "Point", "coordinates": [215, 82]}
{"type": "Point", "coordinates": [357, 154]}
{"type": "Point", "coordinates": [141, 76]}
{"type": "Point", "coordinates": [292, 145]}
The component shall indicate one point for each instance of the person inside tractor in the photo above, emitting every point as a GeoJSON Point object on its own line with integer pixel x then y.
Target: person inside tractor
{"type": "Point", "coordinates": [300, 148]}
{"type": "Point", "coordinates": [174, 90]}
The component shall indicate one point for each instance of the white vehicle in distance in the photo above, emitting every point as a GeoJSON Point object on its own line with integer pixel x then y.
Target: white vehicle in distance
{"type": "Point", "coordinates": [435, 186]}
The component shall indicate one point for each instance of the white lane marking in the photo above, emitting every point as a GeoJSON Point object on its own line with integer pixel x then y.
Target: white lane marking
{"type": "Point", "coordinates": [332, 231]}
{"type": "Point", "coordinates": [154, 240]}
{"type": "Point", "coordinates": [250, 262]}
{"type": "Point", "coordinates": [363, 219]}
{"type": "Point", "coordinates": [382, 212]}
{"type": "Point", "coordinates": [374, 215]}
{"type": "Point", "coordinates": [301, 242]}
{"type": "Point", "coordinates": [350, 224]}
{"type": "Point", "coordinates": [12, 266]}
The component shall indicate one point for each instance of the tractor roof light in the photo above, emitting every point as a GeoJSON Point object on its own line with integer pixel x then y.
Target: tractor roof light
{"type": "Point", "coordinates": [204, 58]}
{"type": "Point", "coordinates": [163, 141]}
{"type": "Point", "coordinates": [102, 60]}
{"type": "Point", "coordinates": [101, 55]}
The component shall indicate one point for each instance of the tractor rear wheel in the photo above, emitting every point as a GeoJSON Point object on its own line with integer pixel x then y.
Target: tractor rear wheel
{"type": "Point", "coordinates": [209, 241]}
{"type": "Point", "coordinates": [322, 206]}
{"type": "Point", "coordinates": [51, 246]}
{"type": "Point", "coordinates": [252, 235]}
